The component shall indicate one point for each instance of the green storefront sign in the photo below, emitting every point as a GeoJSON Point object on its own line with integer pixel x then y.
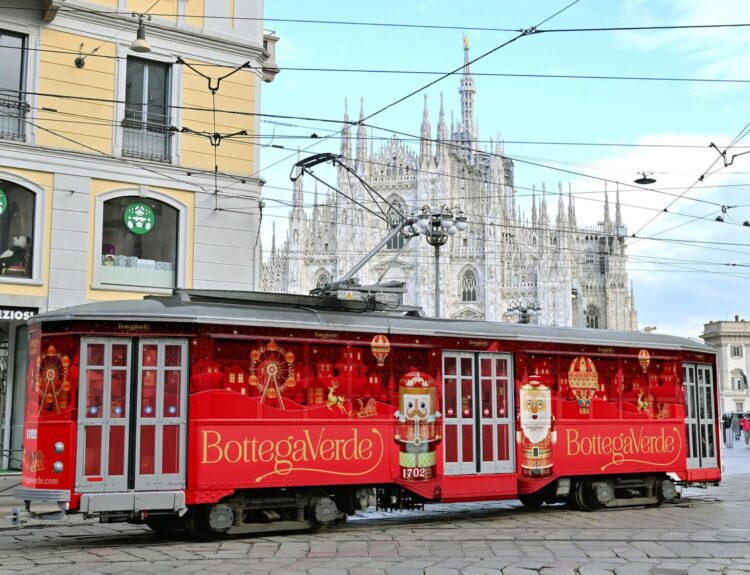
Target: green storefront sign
{"type": "Point", "coordinates": [139, 218]}
{"type": "Point", "coordinates": [3, 202]}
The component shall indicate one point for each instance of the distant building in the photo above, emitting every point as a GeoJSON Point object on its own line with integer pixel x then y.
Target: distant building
{"type": "Point", "coordinates": [102, 196]}
{"type": "Point", "coordinates": [577, 274]}
{"type": "Point", "coordinates": [731, 339]}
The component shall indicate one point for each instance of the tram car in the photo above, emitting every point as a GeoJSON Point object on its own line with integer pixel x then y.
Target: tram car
{"type": "Point", "coordinates": [227, 412]}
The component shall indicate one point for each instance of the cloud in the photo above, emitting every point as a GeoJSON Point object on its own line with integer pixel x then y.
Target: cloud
{"type": "Point", "coordinates": [713, 52]}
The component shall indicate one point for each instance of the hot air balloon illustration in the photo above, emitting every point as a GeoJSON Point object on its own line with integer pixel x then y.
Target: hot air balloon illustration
{"type": "Point", "coordinates": [583, 381]}
{"type": "Point", "coordinates": [644, 358]}
{"type": "Point", "coordinates": [381, 347]}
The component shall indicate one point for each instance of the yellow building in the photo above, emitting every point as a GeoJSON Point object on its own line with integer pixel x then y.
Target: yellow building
{"type": "Point", "coordinates": [123, 172]}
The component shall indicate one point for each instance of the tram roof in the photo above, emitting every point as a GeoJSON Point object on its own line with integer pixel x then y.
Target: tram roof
{"type": "Point", "coordinates": [308, 312]}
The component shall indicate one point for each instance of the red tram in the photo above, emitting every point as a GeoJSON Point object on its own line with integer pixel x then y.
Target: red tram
{"type": "Point", "coordinates": [226, 412]}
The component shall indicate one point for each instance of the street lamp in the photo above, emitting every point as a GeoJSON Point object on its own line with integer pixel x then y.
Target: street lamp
{"type": "Point", "coordinates": [523, 310]}
{"type": "Point", "coordinates": [437, 225]}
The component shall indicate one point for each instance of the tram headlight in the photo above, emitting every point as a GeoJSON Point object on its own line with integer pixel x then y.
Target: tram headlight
{"type": "Point", "coordinates": [57, 467]}
{"type": "Point", "coordinates": [59, 447]}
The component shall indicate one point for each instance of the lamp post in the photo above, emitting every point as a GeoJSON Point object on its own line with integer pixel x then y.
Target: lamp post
{"type": "Point", "coordinates": [523, 310]}
{"type": "Point", "coordinates": [438, 225]}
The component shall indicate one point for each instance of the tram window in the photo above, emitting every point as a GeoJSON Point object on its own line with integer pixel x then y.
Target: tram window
{"type": "Point", "coordinates": [139, 242]}
{"type": "Point", "coordinates": [292, 372]}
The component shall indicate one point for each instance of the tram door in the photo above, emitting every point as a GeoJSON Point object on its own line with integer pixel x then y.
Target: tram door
{"type": "Point", "coordinates": [700, 426]}
{"type": "Point", "coordinates": [131, 424]}
{"type": "Point", "coordinates": [477, 413]}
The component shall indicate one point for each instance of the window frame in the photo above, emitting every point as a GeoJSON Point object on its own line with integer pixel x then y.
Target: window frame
{"type": "Point", "coordinates": [29, 79]}
{"type": "Point", "coordinates": [38, 239]}
{"type": "Point", "coordinates": [462, 287]}
{"type": "Point", "coordinates": [175, 80]}
{"type": "Point", "coordinates": [736, 351]}
{"type": "Point", "coordinates": [182, 234]}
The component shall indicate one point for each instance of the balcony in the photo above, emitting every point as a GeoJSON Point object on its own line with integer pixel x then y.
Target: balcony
{"type": "Point", "coordinates": [13, 112]}
{"type": "Point", "coordinates": [147, 140]}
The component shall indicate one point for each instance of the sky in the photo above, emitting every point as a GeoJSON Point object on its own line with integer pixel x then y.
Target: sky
{"type": "Point", "coordinates": [687, 268]}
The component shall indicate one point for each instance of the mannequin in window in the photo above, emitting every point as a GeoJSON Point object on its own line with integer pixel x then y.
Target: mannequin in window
{"type": "Point", "coordinates": [15, 259]}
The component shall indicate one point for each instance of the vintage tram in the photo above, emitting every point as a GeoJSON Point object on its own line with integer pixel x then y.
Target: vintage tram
{"type": "Point", "coordinates": [226, 412]}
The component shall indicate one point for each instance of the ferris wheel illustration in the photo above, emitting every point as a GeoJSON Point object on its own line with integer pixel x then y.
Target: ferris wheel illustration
{"type": "Point", "coordinates": [272, 371]}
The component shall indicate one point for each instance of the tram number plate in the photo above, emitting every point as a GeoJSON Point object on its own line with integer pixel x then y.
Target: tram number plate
{"type": "Point", "coordinates": [413, 472]}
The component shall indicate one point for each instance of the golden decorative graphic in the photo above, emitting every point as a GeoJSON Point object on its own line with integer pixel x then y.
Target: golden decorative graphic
{"type": "Point", "coordinates": [380, 347]}
{"type": "Point", "coordinates": [583, 381]}
{"type": "Point", "coordinates": [271, 371]}
{"type": "Point", "coordinates": [644, 358]}
{"type": "Point", "coordinates": [52, 383]}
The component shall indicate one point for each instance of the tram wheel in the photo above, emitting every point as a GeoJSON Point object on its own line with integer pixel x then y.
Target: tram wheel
{"type": "Point", "coordinates": [209, 522]}
{"type": "Point", "coordinates": [584, 496]}
{"type": "Point", "coordinates": [531, 500]}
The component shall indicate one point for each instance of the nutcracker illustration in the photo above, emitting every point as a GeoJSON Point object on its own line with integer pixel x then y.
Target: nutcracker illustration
{"type": "Point", "coordinates": [536, 436]}
{"type": "Point", "coordinates": [417, 430]}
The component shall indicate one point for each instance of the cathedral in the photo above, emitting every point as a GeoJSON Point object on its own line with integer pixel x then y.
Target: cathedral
{"type": "Point", "coordinates": [507, 266]}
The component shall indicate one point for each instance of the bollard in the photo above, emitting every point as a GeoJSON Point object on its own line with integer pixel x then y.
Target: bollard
{"type": "Point", "coordinates": [730, 437]}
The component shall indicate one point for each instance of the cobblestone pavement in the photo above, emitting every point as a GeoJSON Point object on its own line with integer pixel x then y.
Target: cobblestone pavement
{"type": "Point", "coordinates": [708, 531]}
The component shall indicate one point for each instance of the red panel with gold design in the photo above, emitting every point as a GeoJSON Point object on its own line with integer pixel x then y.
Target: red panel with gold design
{"type": "Point", "coordinates": [52, 382]}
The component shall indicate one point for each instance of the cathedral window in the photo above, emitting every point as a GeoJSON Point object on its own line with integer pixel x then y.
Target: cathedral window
{"type": "Point", "coordinates": [322, 279]}
{"type": "Point", "coordinates": [469, 286]}
{"type": "Point", "coordinates": [593, 317]}
{"type": "Point", "coordinates": [395, 219]}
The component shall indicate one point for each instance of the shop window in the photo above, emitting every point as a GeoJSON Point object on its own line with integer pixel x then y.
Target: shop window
{"type": "Point", "coordinates": [146, 126]}
{"type": "Point", "coordinates": [13, 106]}
{"type": "Point", "coordinates": [139, 245]}
{"type": "Point", "coordinates": [17, 227]}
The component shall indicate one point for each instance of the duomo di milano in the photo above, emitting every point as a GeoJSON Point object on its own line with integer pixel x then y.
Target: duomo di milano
{"type": "Point", "coordinates": [575, 274]}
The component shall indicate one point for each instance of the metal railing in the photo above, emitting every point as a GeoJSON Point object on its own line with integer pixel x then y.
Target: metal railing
{"type": "Point", "coordinates": [146, 140]}
{"type": "Point", "coordinates": [13, 112]}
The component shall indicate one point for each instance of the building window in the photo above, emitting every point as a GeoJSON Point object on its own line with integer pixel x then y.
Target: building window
{"type": "Point", "coordinates": [322, 279]}
{"type": "Point", "coordinates": [469, 286]}
{"type": "Point", "coordinates": [739, 380]}
{"type": "Point", "coordinates": [13, 106]}
{"type": "Point", "coordinates": [593, 317]}
{"type": "Point", "coordinates": [739, 406]}
{"type": "Point", "coordinates": [146, 127]}
{"type": "Point", "coordinates": [17, 217]}
{"type": "Point", "coordinates": [139, 243]}
{"type": "Point", "coordinates": [395, 219]}
{"type": "Point", "coordinates": [736, 351]}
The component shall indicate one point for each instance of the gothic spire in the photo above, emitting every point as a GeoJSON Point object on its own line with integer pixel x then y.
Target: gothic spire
{"type": "Point", "coordinates": [346, 138]}
{"type": "Point", "coordinates": [299, 194]}
{"type": "Point", "coordinates": [361, 139]}
{"type": "Point", "coordinates": [561, 223]}
{"type": "Point", "coordinates": [426, 134]}
{"type": "Point", "coordinates": [467, 91]}
{"type": "Point", "coordinates": [571, 210]}
{"type": "Point", "coordinates": [607, 221]}
{"type": "Point", "coordinates": [273, 239]}
{"type": "Point", "coordinates": [618, 214]}
{"type": "Point", "coordinates": [543, 213]}
{"type": "Point", "coordinates": [442, 130]}
{"type": "Point", "coordinates": [533, 205]}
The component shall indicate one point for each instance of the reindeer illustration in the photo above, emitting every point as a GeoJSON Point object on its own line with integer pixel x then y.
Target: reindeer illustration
{"type": "Point", "coordinates": [333, 399]}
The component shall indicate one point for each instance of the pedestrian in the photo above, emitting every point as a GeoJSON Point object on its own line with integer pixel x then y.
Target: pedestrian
{"type": "Point", "coordinates": [736, 425]}
{"type": "Point", "coordinates": [726, 423]}
{"type": "Point", "coordinates": [745, 425]}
